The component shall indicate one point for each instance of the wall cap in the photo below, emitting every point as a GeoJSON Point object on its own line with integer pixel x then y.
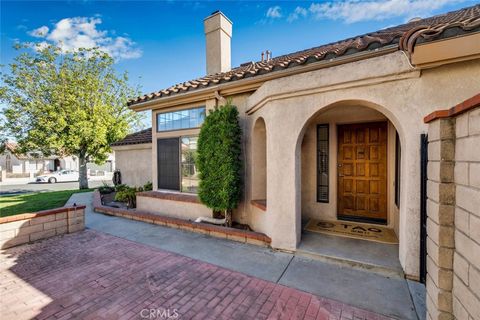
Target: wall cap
{"type": "Point", "coordinates": [454, 111]}
{"type": "Point", "coordinates": [27, 216]}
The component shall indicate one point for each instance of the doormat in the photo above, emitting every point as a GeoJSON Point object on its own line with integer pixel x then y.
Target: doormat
{"type": "Point", "coordinates": [353, 230]}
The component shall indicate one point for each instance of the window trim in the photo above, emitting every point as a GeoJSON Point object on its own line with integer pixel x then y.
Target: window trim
{"type": "Point", "coordinates": [157, 114]}
{"type": "Point", "coordinates": [323, 126]}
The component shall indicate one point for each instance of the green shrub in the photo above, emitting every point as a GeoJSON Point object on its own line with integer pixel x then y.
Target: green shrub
{"type": "Point", "coordinates": [121, 187]}
{"type": "Point", "coordinates": [148, 186]}
{"type": "Point", "coordinates": [218, 160]}
{"type": "Point", "coordinates": [127, 194]}
{"type": "Point", "coordinates": [106, 189]}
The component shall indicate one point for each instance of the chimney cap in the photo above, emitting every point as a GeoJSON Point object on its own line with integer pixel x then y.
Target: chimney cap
{"type": "Point", "coordinates": [216, 12]}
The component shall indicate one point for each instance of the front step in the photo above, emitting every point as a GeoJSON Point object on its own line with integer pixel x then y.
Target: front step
{"type": "Point", "coordinates": [352, 263]}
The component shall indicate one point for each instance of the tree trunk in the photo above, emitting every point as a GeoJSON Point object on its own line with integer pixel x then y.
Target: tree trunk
{"type": "Point", "coordinates": [82, 172]}
{"type": "Point", "coordinates": [228, 218]}
{"type": "Point", "coordinates": [217, 214]}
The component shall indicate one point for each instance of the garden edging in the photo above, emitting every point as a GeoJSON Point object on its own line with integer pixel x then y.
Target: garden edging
{"type": "Point", "coordinates": [212, 230]}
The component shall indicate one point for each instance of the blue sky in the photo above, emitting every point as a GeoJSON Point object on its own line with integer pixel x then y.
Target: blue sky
{"type": "Point", "coordinates": [161, 43]}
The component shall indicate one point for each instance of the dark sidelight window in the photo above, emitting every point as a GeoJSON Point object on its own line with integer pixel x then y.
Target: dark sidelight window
{"type": "Point", "coordinates": [398, 158]}
{"type": "Point", "coordinates": [168, 165]}
{"type": "Point", "coordinates": [322, 163]}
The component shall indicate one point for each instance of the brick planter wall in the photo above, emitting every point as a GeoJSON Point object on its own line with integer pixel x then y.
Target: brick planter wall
{"type": "Point", "coordinates": [29, 227]}
{"type": "Point", "coordinates": [208, 229]}
{"type": "Point", "coordinates": [453, 208]}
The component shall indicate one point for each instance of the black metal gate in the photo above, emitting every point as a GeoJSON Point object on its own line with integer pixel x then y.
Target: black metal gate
{"type": "Point", "coordinates": [423, 206]}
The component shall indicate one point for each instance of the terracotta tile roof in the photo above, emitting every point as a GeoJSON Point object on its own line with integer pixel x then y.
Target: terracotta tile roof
{"type": "Point", "coordinates": [33, 155]}
{"type": "Point", "coordinates": [404, 36]}
{"type": "Point", "coordinates": [144, 136]}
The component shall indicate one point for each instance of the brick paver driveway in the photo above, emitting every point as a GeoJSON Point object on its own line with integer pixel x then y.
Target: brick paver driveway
{"type": "Point", "coordinates": [91, 275]}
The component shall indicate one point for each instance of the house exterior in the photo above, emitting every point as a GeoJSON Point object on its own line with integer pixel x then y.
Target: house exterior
{"type": "Point", "coordinates": [331, 133]}
{"type": "Point", "coordinates": [19, 165]}
{"type": "Point", "coordinates": [133, 156]}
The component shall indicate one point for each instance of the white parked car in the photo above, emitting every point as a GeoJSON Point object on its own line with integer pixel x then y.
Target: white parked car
{"type": "Point", "coordinates": [59, 176]}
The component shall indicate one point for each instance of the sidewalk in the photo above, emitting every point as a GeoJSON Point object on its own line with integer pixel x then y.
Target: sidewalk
{"type": "Point", "coordinates": [387, 296]}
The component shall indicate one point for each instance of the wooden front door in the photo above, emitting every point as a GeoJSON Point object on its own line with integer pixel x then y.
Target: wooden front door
{"type": "Point", "coordinates": [362, 172]}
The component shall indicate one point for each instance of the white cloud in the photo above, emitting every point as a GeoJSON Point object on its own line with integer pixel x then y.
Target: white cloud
{"type": "Point", "coordinates": [39, 32]}
{"type": "Point", "coordinates": [352, 11]}
{"type": "Point", "coordinates": [274, 12]}
{"type": "Point", "coordinates": [297, 13]}
{"type": "Point", "coordinates": [81, 32]}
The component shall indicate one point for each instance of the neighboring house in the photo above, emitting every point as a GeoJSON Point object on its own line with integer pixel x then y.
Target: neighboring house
{"type": "Point", "coordinates": [133, 157]}
{"type": "Point", "coordinates": [332, 132]}
{"type": "Point", "coordinates": [23, 164]}
{"type": "Point", "coordinates": [19, 165]}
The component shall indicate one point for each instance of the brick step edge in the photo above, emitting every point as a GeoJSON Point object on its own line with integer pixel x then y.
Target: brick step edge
{"type": "Point", "coordinates": [244, 236]}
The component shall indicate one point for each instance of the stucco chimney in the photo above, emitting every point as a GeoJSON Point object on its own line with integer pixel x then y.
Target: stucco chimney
{"type": "Point", "coordinates": [218, 34]}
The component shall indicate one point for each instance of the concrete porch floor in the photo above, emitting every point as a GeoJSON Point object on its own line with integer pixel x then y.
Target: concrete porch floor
{"type": "Point", "coordinates": [390, 296]}
{"type": "Point", "coordinates": [360, 254]}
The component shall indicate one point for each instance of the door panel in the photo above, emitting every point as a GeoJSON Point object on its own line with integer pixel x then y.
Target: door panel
{"type": "Point", "coordinates": [362, 171]}
{"type": "Point", "coordinates": [168, 164]}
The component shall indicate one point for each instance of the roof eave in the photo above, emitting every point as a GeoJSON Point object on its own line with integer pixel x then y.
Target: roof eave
{"type": "Point", "coordinates": [251, 84]}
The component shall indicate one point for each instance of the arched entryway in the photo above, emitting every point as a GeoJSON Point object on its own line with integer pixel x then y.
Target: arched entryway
{"type": "Point", "coordinates": [349, 173]}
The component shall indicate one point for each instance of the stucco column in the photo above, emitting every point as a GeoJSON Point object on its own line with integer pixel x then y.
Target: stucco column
{"type": "Point", "coordinates": [283, 174]}
{"type": "Point", "coordinates": [409, 211]}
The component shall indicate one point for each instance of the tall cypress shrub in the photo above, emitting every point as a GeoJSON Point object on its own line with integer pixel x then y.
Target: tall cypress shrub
{"type": "Point", "coordinates": [218, 160]}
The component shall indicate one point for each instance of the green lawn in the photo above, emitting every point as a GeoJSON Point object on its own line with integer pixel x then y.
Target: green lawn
{"type": "Point", "coordinates": [32, 202]}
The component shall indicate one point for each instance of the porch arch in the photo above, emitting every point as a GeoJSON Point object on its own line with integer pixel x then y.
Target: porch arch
{"type": "Point", "coordinates": [312, 119]}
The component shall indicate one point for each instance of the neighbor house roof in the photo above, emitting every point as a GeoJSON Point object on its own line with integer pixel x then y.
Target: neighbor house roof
{"type": "Point", "coordinates": [144, 136]}
{"type": "Point", "coordinates": [13, 148]}
{"type": "Point", "coordinates": [404, 37]}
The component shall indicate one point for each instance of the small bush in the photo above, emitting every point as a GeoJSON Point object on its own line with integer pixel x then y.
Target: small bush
{"type": "Point", "coordinates": [127, 194]}
{"type": "Point", "coordinates": [148, 186]}
{"type": "Point", "coordinates": [121, 187]}
{"type": "Point", "coordinates": [106, 189]}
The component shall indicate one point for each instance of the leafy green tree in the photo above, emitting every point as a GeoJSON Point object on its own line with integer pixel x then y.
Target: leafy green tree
{"type": "Point", "coordinates": [66, 103]}
{"type": "Point", "coordinates": [218, 160]}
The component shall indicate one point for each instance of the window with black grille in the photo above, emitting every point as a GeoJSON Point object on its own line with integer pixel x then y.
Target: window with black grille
{"type": "Point", "coordinates": [168, 165]}
{"type": "Point", "coordinates": [322, 163]}
{"type": "Point", "coordinates": [176, 164]}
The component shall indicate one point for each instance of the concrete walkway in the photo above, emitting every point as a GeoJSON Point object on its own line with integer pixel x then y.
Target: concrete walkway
{"type": "Point", "coordinates": [392, 297]}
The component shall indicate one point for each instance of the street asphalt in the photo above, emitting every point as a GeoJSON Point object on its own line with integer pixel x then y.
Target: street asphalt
{"type": "Point", "coordinates": [45, 187]}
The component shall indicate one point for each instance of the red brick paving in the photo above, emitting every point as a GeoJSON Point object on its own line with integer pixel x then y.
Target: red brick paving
{"type": "Point", "coordinates": [91, 275]}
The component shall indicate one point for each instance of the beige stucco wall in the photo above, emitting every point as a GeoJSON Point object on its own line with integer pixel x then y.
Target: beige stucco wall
{"type": "Point", "coordinates": [387, 84]}
{"type": "Point", "coordinates": [174, 209]}
{"type": "Point", "coordinates": [390, 86]}
{"type": "Point", "coordinates": [134, 163]}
